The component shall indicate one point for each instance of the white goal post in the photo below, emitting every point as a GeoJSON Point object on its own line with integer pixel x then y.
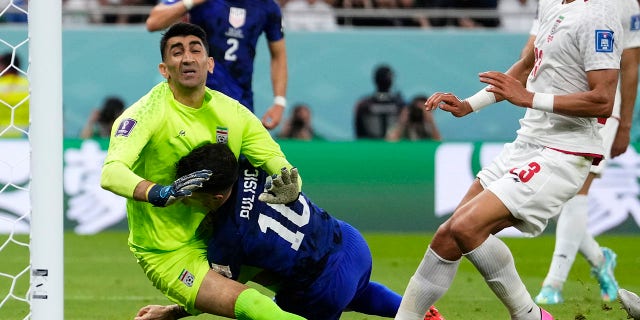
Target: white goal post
{"type": "Point", "coordinates": [46, 293]}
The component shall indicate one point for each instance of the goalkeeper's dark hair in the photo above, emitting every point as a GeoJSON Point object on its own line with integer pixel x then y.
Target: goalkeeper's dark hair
{"type": "Point", "coordinates": [182, 29]}
{"type": "Point", "coordinates": [216, 157]}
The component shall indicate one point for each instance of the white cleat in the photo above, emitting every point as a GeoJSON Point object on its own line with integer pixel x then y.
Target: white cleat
{"type": "Point", "coordinates": [630, 302]}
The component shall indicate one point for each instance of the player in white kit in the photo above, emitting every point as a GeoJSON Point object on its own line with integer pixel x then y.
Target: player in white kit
{"type": "Point", "coordinates": [571, 76]}
{"type": "Point", "coordinates": [571, 229]}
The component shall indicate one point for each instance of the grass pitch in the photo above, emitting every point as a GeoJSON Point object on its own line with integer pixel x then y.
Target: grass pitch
{"type": "Point", "coordinates": [103, 281]}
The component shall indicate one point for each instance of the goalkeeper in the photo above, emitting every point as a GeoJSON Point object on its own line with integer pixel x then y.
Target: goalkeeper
{"type": "Point", "coordinates": [175, 117]}
{"type": "Point", "coordinates": [317, 265]}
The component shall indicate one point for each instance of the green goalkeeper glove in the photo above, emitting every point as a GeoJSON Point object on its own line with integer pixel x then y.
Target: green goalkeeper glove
{"type": "Point", "coordinates": [162, 196]}
{"type": "Point", "coordinates": [281, 189]}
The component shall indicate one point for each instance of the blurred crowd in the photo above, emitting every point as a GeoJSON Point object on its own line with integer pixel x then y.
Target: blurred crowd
{"type": "Point", "coordinates": [313, 15]}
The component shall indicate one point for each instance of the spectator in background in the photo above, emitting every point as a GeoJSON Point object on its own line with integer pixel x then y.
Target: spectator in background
{"type": "Point", "coordinates": [125, 18]}
{"type": "Point", "coordinates": [298, 126]}
{"type": "Point", "coordinates": [14, 97]}
{"type": "Point", "coordinates": [77, 12]}
{"type": "Point", "coordinates": [16, 11]}
{"type": "Point", "coordinates": [375, 114]}
{"type": "Point", "coordinates": [233, 36]}
{"type": "Point", "coordinates": [464, 22]}
{"type": "Point", "coordinates": [415, 21]}
{"type": "Point", "coordinates": [309, 15]}
{"type": "Point", "coordinates": [101, 120]}
{"type": "Point", "coordinates": [415, 123]}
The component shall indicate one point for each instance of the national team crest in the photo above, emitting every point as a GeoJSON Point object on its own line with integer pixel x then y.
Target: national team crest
{"type": "Point", "coordinates": [237, 17]}
{"type": "Point", "coordinates": [187, 277]}
{"type": "Point", "coordinates": [604, 41]}
{"type": "Point", "coordinates": [222, 134]}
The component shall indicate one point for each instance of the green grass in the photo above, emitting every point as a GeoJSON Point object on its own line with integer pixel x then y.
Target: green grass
{"type": "Point", "coordinates": [103, 281]}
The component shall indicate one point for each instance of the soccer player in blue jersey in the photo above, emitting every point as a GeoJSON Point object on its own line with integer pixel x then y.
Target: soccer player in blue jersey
{"type": "Point", "coordinates": [233, 28]}
{"type": "Point", "coordinates": [317, 265]}
{"type": "Point", "coordinates": [147, 140]}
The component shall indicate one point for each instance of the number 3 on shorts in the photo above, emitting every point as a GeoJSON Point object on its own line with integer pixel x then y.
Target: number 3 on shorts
{"type": "Point", "coordinates": [525, 174]}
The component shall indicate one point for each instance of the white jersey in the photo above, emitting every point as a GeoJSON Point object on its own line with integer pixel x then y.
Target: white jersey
{"type": "Point", "coordinates": [630, 19]}
{"type": "Point", "coordinates": [571, 40]}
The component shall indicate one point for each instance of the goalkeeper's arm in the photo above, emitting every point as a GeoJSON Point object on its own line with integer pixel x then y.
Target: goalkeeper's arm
{"type": "Point", "coordinates": [158, 312]}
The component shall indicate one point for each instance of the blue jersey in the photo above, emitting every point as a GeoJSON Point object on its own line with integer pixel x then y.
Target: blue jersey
{"type": "Point", "coordinates": [233, 28]}
{"type": "Point", "coordinates": [293, 242]}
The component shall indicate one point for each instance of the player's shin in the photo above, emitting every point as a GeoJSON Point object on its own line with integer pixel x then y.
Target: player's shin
{"type": "Point", "coordinates": [494, 261]}
{"type": "Point", "coordinates": [430, 281]}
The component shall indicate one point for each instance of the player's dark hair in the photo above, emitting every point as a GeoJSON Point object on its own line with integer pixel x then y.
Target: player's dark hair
{"type": "Point", "coordinates": [216, 157]}
{"type": "Point", "coordinates": [182, 29]}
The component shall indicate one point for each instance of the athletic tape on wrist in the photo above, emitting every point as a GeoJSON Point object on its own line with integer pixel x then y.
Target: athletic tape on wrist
{"type": "Point", "coordinates": [280, 100]}
{"type": "Point", "coordinates": [542, 102]}
{"type": "Point", "coordinates": [481, 99]}
{"type": "Point", "coordinates": [188, 4]}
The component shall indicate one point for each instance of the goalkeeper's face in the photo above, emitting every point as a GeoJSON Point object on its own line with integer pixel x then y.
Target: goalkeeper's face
{"type": "Point", "coordinates": [186, 62]}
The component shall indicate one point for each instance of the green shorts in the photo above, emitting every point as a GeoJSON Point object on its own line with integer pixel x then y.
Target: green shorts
{"type": "Point", "coordinates": [178, 274]}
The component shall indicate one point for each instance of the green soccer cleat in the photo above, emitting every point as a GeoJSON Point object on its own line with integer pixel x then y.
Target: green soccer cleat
{"type": "Point", "coordinates": [549, 295]}
{"type": "Point", "coordinates": [604, 274]}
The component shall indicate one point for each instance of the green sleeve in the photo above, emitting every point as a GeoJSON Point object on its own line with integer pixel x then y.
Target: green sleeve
{"type": "Point", "coordinates": [125, 151]}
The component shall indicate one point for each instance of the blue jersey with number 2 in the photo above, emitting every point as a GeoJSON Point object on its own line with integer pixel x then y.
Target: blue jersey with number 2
{"type": "Point", "coordinates": [233, 28]}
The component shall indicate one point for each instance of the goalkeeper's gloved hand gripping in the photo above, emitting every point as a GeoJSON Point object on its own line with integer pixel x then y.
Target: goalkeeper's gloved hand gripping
{"type": "Point", "coordinates": [162, 196]}
{"type": "Point", "coordinates": [281, 189]}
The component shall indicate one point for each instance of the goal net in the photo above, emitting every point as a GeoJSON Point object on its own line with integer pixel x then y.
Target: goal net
{"type": "Point", "coordinates": [31, 238]}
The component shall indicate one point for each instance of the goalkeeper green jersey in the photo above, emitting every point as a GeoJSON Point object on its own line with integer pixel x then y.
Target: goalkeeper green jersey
{"type": "Point", "coordinates": [153, 134]}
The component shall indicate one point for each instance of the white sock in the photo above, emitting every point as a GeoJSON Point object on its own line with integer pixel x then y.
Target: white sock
{"type": "Point", "coordinates": [494, 261]}
{"type": "Point", "coordinates": [570, 230]}
{"type": "Point", "coordinates": [430, 281]}
{"type": "Point", "coordinates": [591, 250]}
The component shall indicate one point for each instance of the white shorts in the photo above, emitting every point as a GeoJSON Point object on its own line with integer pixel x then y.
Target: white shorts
{"type": "Point", "coordinates": [533, 182]}
{"type": "Point", "coordinates": [608, 133]}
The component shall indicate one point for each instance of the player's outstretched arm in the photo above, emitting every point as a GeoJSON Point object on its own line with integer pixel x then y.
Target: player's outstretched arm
{"type": "Point", "coordinates": [162, 196]}
{"type": "Point", "coordinates": [158, 312]}
{"type": "Point", "coordinates": [449, 103]}
{"type": "Point", "coordinates": [164, 15]}
{"type": "Point", "coordinates": [283, 188]}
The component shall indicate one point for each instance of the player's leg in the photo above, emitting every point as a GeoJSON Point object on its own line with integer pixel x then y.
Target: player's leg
{"type": "Point", "coordinates": [184, 276]}
{"type": "Point", "coordinates": [376, 299]}
{"type": "Point", "coordinates": [603, 260]}
{"type": "Point", "coordinates": [222, 296]}
{"type": "Point", "coordinates": [570, 230]}
{"type": "Point", "coordinates": [527, 196]}
{"type": "Point", "coordinates": [486, 214]}
{"type": "Point", "coordinates": [346, 274]}
{"type": "Point", "coordinates": [434, 274]}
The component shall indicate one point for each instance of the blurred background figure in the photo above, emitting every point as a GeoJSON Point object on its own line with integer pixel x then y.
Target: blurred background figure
{"type": "Point", "coordinates": [309, 15]}
{"type": "Point", "coordinates": [415, 123]}
{"type": "Point", "coordinates": [101, 120]}
{"type": "Point", "coordinates": [125, 18]}
{"type": "Point", "coordinates": [13, 11]}
{"type": "Point", "coordinates": [298, 126]}
{"type": "Point", "coordinates": [78, 12]}
{"type": "Point", "coordinates": [14, 97]}
{"type": "Point", "coordinates": [376, 113]}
